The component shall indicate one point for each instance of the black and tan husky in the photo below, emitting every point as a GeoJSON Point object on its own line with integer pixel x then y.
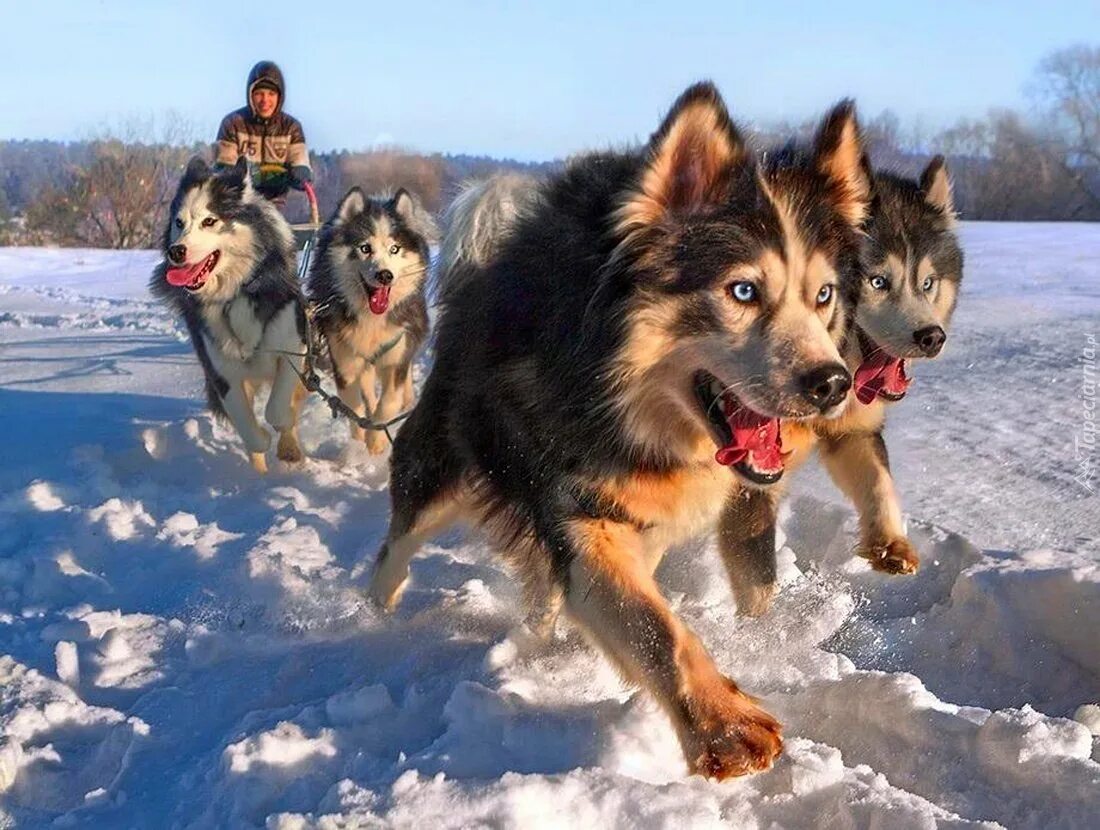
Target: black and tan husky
{"type": "Point", "coordinates": [907, 298]}
{"type": "Point", "coordinates": [648, 308]}
{"type": "Point", "coordinates": [367, 290]}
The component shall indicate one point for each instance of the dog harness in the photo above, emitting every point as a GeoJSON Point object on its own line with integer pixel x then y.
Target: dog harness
{"type": "Point", "coordinates": [381, 351]}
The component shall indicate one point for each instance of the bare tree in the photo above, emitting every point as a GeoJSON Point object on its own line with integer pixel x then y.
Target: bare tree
{"type": "Point", "coordinates": [1067, 86]}
{"type": "Point", "coordinates": [119, 197]}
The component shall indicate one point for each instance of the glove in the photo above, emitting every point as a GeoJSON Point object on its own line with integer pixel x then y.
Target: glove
{"type": "Point", "coordinates": [299, 175]}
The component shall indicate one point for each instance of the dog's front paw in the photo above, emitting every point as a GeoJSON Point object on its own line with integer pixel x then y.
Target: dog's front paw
{"type": "Point", "coordinates": [376, 442]}
{"type": "Point", "coordinates": [259, 462]}
{"type": "Point", "coordinates": [732, 737]}
{"type": "Point", "coordinates": [289, 450]}
{"type": "Point", "coordinates": [897, 556]}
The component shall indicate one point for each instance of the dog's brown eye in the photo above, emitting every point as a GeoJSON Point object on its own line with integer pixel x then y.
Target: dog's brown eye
{"type": "Point", "coordinates": [179, 223]}
{"type": "Point", "coordinates": [395, 250]}
{"type": "Point", "coordinates": [365, 249]}
{"type": "Point", "coordinates": [208, 222]}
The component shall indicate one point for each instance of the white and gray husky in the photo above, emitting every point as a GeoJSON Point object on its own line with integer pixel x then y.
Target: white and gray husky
{"type": "Point", "coordinates": [229, 272]}
{"type": "Point", "coordinates": [367, 291]}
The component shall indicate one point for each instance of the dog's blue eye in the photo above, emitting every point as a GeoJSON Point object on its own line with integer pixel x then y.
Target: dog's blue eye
{"type": "Point", "coordinates": [743, 292]}
{"type": "Point", "coordinates": [365, 249]}
{"type": "Point", "coordinates": [395, 250]}
{"type": "Point", "coordinates": [928, 283]}
{"type": "Point", "coordinates": [880, 283]}
{"type": "Point", "coordinates": [824, 295]}
{"type": "Point", "coordinates": [179, 223]}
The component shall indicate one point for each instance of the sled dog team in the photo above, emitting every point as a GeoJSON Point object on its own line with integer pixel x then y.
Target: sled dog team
{"type": "Point", "coordinates": [629, 353]}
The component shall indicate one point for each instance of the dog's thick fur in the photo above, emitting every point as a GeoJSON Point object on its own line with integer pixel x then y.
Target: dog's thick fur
{"type": "Point", "coordinates": [562, 414]}
{"type": "Point", "coordinates": [478, 223]}
{"type": "Point", "coordinates": [244, 315]}
{"type": "Point", "coordinates": [906, 302]}
{"type": "Point", "coordinates": [370, 244]}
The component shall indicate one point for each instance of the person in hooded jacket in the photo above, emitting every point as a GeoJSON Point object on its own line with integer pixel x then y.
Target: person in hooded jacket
{"type": "Point", "coordinates": [271, 139]}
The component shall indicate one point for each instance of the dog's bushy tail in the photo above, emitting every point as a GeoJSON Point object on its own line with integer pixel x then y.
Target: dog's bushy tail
{"type": "Point", "coordinates": [478, 222]}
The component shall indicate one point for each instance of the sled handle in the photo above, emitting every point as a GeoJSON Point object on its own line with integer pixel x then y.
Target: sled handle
{"type": "Point", "coordinates": [314, 214]}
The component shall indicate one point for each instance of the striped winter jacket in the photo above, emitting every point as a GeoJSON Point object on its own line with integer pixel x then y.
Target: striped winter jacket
{"type": "Point", "coordinates": [275, 147]}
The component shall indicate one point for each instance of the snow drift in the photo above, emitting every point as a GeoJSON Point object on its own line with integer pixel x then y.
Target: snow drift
{"type": "Point", "coordinates": [183, 644]}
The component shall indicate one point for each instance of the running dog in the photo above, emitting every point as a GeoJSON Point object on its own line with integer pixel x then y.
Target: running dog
{"type": "Point", "coordinates": [229, 273]}
{"type": "Point", "coordinates": [649, 306]}
{"type": "Point", "coordinates": [907, 298]}
{"type": "Point", "coordinates": [367, 290]}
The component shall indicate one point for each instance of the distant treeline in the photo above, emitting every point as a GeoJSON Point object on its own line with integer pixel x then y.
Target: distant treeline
{"type": "Point", "coordinates": [112, 192]}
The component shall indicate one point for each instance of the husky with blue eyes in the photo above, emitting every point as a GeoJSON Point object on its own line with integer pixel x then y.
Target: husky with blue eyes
{"type": "Point", "coordinates": [229, 273]}
{"type": "Point", "coordinates": [906, 300]}
{"type": "Point", "coordinates": [367, 290]}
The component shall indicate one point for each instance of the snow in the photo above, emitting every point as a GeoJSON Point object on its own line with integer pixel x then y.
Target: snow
{"type": "Point", "coordinates": [183, 643]}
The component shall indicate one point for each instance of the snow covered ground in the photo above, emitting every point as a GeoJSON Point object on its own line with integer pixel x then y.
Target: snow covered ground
{"type": "Point", "coordinates": [182, 643]}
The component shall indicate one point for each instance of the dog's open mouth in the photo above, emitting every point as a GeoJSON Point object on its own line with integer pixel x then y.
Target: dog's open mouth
{"type": "Point", "coordinates": [193, 277]}
{"type": "Point", "coordinates": [378, 297]}
{"type": "Point", "coordinates": [747, 441]}
{"type": "Point", "coordinates": [880, 375]}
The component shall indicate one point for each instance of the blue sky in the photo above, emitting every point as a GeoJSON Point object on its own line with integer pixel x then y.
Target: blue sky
{"type": "Point", "coordinates": [528, 80]}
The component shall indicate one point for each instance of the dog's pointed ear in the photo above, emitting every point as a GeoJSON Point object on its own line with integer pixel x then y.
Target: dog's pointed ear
{"type": "Point", "coordinates": [353, 203]}
{"type": "Point", "coordinates": [839, 156]}
{"type": "Point", "coordinates": [413, 214]}
{"type": "Point", "coordinates": [869, 174]}
{"type": "Point", "coordinates": [935, 182]}
{"type": "Point", "coordinates": [197, 170]}
{"type": "Point", "coordinates": [689, 162]}
{"type": "Point", "coordinates": [403, 204]}
{"type": "Point", "coordinates": [238, 181]}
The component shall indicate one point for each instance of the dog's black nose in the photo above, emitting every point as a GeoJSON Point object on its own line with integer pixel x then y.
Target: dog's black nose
{"type": "Point", "coordinates": [385, 276]}
{"type": "Point", "coordinates": [930, 339]}
{"type": "Point", "coordinates": [177, 253]}
{"type": "Point", "coordinates": [826, 385]}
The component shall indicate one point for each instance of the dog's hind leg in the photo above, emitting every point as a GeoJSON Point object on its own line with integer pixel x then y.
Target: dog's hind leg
{"type": "Point", "coordinates": [426, 496]}
{"type": "Point", "coordinates": [611, 594]}
{"type": "Point", "coordinates": [238, 406]}
{"type": "Point", "coordinates": [859, 465]}
{"type": "Point", "coordinates": [409, 529]}
{"type": "Point", "coordinates": [746, 542]}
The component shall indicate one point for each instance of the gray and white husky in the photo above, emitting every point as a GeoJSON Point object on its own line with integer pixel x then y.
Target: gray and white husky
{"type": "Point", "coordinates": [367, 291]}
{"type": "Point", "coordinates": [229, 272]}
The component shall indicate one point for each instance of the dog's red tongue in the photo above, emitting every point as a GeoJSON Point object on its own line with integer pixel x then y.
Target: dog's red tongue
{"type": "Point", "coordinates": [379, 299]}
{"type": "Point", "coordinates": [183, 274]}
{"type": "Point", "coordinates": [751, 433]}
{"type": "Point", "coordinates": [881, 372]}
